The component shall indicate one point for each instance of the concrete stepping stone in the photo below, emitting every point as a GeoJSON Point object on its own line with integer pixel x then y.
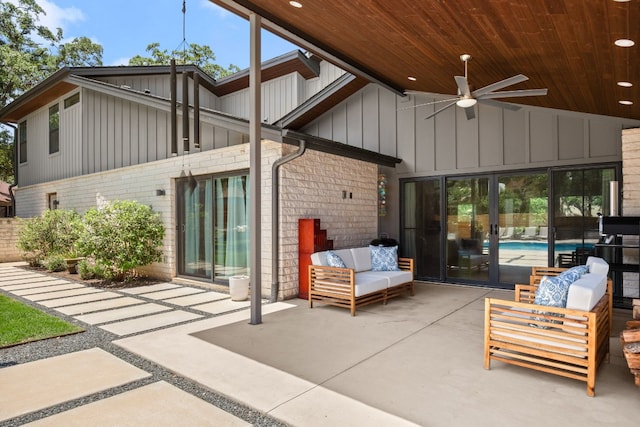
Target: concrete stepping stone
{"type": "Point", "coordinates": [32, 281]}
{"type": "Point", "coordinates": [150, 288]}
{"type": "Point", "coordinates": [146, 323]}
{"type": "Point", "coordinates": [61, 294]}
{"type": "Point", "coordinates": [37, 385]}
{"type": "Point", "coordinates": [222, 306]}
{"type": "Point", "coordinates": [40, 284]}
{"type": "Point", "coordinates": [197, 299]}
{"type": "Point", "coordinates": [98, 305]}
{"type": "Point", "coordinates": [96, 296]}
{"type": "Point", "coordinates": [172, 293]}
{"type": "Point", "coordinates": [122, 313]}
{"type": "Point", "coordinates": [41, 290]}
{"type": "Point", "coordinates": [157, 404]}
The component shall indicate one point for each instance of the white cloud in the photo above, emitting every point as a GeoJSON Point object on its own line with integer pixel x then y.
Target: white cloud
{"type": "Point", "coordinates": [221, 12]}
{"type": "Point", "coordinates": [121, 61]}
{"type": "Point", "coordinates": [58, 17]}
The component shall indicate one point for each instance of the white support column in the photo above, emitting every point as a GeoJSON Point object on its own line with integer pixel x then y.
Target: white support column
{"type": "Point", "coordinates": [255, 138]}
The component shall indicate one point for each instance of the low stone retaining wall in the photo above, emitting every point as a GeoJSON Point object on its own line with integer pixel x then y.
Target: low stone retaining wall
{"type": "Point", "coordinates": [8, 236]}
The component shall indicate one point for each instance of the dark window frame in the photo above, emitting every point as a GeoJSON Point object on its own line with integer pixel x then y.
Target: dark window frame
{"type": "Point", "coordinates": [22, 141]}
{"type": "Point", "coordinates": [54, 129]}
{"type": "Point", "coordinates": [72, 100]}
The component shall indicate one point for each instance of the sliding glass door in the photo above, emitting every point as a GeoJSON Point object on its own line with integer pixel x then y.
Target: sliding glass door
{"type": "Point", "coordinates": [468, 226]}
{"type": "Point", "coordinates": [213, 226]}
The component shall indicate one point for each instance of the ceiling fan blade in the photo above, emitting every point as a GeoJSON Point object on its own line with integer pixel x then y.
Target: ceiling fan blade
{"type": "Point", "coordinates": [470, 112]}
{"type": "Point", "coordinates": [498, 104]}
{"type": "Point", "coordinates": [427, 103]}
{"type": "Point", "coordinates": [463, 86]}
{"type": "Point", "coordinates": [514, 93]}
{"type": "Point", "coordinates": [441, 109]}
{"type": "Point", "coordinates": [499, 85]}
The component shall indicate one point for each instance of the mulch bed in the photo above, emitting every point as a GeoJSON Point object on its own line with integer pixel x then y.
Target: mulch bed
{"type": "Point", "coordinates": [132, 282]}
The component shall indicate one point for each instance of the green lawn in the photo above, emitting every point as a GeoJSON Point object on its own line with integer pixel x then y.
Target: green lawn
{"type": "Point", "coordinates": [20, 323]}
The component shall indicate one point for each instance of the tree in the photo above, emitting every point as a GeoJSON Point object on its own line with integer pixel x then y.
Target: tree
{"type": "Point", "coordinates": [28, 54]}
{"type": "Point", "coordinates": [200, 55]}
{"type": "Point", "coordinates": [6, 156]}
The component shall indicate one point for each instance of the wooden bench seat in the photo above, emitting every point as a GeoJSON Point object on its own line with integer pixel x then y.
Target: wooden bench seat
{"type": "Point", "coordinates": [566, 342]}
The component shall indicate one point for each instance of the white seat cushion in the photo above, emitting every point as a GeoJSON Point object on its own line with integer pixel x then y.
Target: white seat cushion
{"type": "Point", "coordinates": [597, 266]}
{"type": "Point", "coordinates": [367, 282]}
{"type": "Point", "coordinates": [395, 278]}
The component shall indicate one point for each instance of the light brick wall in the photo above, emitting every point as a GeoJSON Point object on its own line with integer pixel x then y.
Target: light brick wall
{"type": "Point", "coordinates": [631, 201]}
{"type": "Point", "coordinates": [9, 228]}
{"type": "Point", "coordinates": [140, 183]}
{"type": "Point", "coordinates": [311, 187]}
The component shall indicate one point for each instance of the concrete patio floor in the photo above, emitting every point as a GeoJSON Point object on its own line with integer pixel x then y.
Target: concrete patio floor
{"type": "Point", "coordinates": [417, 360]}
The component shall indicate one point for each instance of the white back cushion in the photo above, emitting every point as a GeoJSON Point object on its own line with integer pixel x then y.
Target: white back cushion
{"type": "Point", "coordinates": [361, 258]}
{"type": "Point", "coordinates": [319, 258]}
{"type": "Point", "coordinates": [346, 256]}
{"type": "Point", "coordinates": [597, 266]}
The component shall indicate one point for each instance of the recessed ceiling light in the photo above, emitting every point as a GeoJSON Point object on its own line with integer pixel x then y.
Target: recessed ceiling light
{"type": "Point", "coordinates": [413, 79]}
{"type": "Point", "coordinates": [624, 43]}
{"type": "Point", "coordinates": [295, 4]}
{"type": "Point", "coordinates": [621, 1]}
{"type": "Point", "coordinates": [626, 102]}
{"type": "Point", "coordinates": [625, 84]}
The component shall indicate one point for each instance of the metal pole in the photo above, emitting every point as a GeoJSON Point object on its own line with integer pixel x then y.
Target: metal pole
{"type": "Point", "coordinates": [254, 169]}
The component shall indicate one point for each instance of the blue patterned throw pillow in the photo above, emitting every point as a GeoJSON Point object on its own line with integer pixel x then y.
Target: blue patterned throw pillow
{"type": "Point", "coordinates": [334, 260]}
{"type": "Point", "coordinates": [384, 258]}
{"type": "Point", "coordinates": [553, 291]}
{"type": "Point", "coordinates": [574, 273]}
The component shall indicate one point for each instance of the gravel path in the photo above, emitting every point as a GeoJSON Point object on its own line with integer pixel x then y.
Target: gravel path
{"type": "Point", "coordinates": [97, 337]}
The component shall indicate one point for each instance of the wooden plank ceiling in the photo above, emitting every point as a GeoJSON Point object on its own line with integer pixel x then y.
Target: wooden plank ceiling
{"type": "Point", "coordinates": [566, 46]}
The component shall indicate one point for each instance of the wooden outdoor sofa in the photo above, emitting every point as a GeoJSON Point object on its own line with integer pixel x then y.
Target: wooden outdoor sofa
{"type": "Point", "coordinates": [573, 346]}
{"type": "Point", "coordinates": [356, 284]}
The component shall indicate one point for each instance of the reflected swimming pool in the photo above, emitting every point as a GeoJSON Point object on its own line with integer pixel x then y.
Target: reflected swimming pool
{"type": "Point", "coordinates": [540, 246]}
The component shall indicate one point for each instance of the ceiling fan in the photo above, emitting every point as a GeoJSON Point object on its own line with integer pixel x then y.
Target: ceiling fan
{"type": "Point", "coordinates": [467, 99]}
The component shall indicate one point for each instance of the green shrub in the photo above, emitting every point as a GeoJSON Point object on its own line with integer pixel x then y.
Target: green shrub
{"type": "Point", "coordinates": [53, 233]}
{"type": "Point", "coordinates": [121, 236]}
{"type": "Point", "coordinates": [55, 263]}
{"type": "Point", "coordinates": [85, 270]}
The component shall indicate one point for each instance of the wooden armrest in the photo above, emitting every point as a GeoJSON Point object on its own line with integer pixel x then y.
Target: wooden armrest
{"type": "Point", "coordinates": [405, 264]}
{"type": "Point", "coordinates": [525, 293]}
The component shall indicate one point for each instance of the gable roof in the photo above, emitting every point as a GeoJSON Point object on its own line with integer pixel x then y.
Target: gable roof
{"type": "Point", "coordinates": [58, 83]}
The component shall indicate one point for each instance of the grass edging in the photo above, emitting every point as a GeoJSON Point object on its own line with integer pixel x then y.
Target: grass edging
{"type": "Point", "coordinates": [21, 323]}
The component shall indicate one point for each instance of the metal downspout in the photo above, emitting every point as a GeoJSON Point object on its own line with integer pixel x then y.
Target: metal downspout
{"type": "Point", "coordinates": [275, 217]}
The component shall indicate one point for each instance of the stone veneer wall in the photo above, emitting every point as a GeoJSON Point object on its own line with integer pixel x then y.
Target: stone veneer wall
{"type": "Point", "coordinates": [9, 228]}
{"type": "Point", "coordinates": [631, 201]}
{"type": "Point", "coordinates": [311, 187]}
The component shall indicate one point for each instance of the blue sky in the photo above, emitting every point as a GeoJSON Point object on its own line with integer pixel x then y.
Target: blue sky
{"type": "Point", "coordinates": [124, 28]}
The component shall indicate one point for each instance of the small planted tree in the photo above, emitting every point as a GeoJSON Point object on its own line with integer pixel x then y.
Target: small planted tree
{"type": "Point", "coordinates": [121, 236]}
{"type": "Point", "coordinates": [53, 233]}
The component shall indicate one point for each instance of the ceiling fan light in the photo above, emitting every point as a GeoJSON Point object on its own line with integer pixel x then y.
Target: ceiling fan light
{"type": "Point", "coordinates": [466, 102]}
{"type": "Point", "coordinates": [624, 43]}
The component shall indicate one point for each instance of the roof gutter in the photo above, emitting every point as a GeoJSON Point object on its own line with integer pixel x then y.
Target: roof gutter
{"type": "Point", "coordinates": [275, 217]}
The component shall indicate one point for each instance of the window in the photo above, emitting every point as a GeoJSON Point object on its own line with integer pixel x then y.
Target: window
{"type": "Point", "coordinates": [22, 138]}
{"type": "Point", "coordinates": [54, 129]}
{"type": "Point", "coordinates": [72, 100]}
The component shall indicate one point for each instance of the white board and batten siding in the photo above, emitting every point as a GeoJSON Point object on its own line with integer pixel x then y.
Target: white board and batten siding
{"type": "Point", "coordinates": [498, 139]}
{"type": "Point", "coordinates": [159, 85]}
{"type": "Point", "coordinates": [67, 162]}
